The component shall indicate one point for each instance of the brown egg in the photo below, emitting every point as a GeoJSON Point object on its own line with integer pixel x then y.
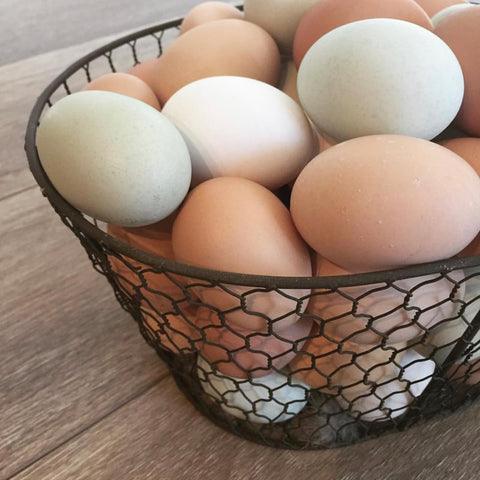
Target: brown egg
{"type": "Point", "coordinates": [383, 201]}
{"type": "Point", "coordinates": [167, 314]}
{"type": "Point", "coordinates": [236, 225]}
{"type": "Point", "coordinates": [224, 47]}
{"type": "Point", "coordinates": [237, 352]}
{"type": "Point", "coordinates": [371, 314]}
{"type": "Point", "coordinates": [469, 149]}
{"type": "Point", "coordinates": [331, 365]}
{"type": "Point", "coordinates": [461, 32]}
{"type": "Point", "coordinates": [175, 332]}
{"type": "Point", "coordinates": [466, 147]}
{"type": "Point", "coordinates": [325, 15]}
{"type": "Point", "coordinates": [145, 71]}
{"type": "Point", "coordinates": [432, 7]}
{"type": "Point", "coordinates": [207, 12]}
{"type": "Point", "coordinates": [125, 84]}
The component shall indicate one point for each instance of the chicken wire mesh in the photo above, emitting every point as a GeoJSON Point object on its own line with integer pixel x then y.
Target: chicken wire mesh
{"type": "Point", "coordinates": [300, 363]}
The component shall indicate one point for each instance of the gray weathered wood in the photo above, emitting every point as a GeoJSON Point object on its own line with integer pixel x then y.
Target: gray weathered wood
{"type": "Point", "coordinates": [69, 354]}
{"type": "Point", "coordinates": [160, 436]}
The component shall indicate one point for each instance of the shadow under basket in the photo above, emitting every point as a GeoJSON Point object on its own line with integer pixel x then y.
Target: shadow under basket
{"type": "Point", "coordinates": [378, 353]}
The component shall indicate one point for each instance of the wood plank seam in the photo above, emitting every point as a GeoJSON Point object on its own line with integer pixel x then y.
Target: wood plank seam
{"type": "Point", "coordinates": [86, 428]}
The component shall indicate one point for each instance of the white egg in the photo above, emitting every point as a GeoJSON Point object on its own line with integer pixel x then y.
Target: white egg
{"type": "Point", "coordinates": [114, 158]}
{"type": "Point", "coordinates": [391, 397]}
{"type": "Point", "coordinates": [380, 76]}
{"type": "Point", "coordinates": [238, 126]}
{"type": "Point", "coordinates": [279, 19]}
{"type": "Point", "coordinates": [443, 337]}
{"type": "Point", "coordinates": [446, 12]}
{"type": "Point", "coordinates": [272, 398]}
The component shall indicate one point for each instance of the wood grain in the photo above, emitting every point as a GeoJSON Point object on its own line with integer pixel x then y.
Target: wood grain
{"type": "Point", "coordinates": [171, 440]}
{"type": "Point", "coordinates": [69, 354]}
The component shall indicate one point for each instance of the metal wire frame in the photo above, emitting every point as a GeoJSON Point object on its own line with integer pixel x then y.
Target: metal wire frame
{"type": "Point", "coordinates": [321, 424]}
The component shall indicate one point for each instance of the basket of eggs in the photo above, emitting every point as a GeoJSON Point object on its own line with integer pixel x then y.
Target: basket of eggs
{"type": "Point", "coordinates": [288, 206]}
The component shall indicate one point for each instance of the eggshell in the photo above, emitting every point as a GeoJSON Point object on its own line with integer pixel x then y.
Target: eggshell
{"type": "Point", "coordinates": [287, 82]}
{"type": "Point", "coordinates": [245, 50]}
{"type": "Point", "coordinates": [272, 398]}
{"type": "Point", "coordinates": [279, 19]}
{"type": "Point", "coordinates": [461, 32]}
{"type": "Point", "coordinates": [208, 12]}
{"type": "Point", "coordinates": [446, 12]}
{"type": "Point", "coordinates": [432, 7]}
{"type": "Point", "coordinates": [237, 126]}
{"type": "Point", "coordinates": [388, 313]}
{"type": "Point", "coordinates": [168, 318]}
{"type": "Point", "coordinates": [466, 147]}
{"type": "Point", "coordinates": [174, 332]}
{"type": "Point", "coordinates": [238, 352]}
{"type": "Point", "coordinates": [439, 342]}
{"type": "Point", "coordinates": [145, 71]}
{"type": "Point", "coordinates": [125, 84]}
{"type": "Point", "coordinates": [325, 15]}
{"type": "Point", "coordinates": [417, 88]}
{"type": "Point", "coordinates": [332, 365]}
{"type": "Point", "coordinates": [99, 160]}
{"type": "Point", "coordinates": [235, 225]}
{"type": "Point", "coordinates": [390, 398]}
{"type": "Point", "coordinates": [382, 201]}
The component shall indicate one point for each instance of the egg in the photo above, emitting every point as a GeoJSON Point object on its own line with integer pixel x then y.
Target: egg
{"type": "Point", "coordinates": [145, 71]}
{"type": "Point", "coordinates": [288, 80]}
{"type": "Point", "coordinates": [271, 399]}
{"type": "Point", "coordinates": [417, 88]}
{"type": "Point", "coordinates": [392, 397]}
{"type": "Point", "coordinates": [332, 365]}
{"type": "Point", "coordinates": [208, 12]}
{"type": "Point", "coordinates": [325, 15]}
{"type": "Point", "coordinates": [432, 7]}
{"type": "Point", "coordinates": [125, 84]}
{"type": "Point", "coordinates": [383, 312]}
{"type": "Point", "coordinates": [100, 161]}
{"type": "Point", "coordinates": [466, 147]}
{"type": "Point", "coordinates": [279, 19]}
{"type": "Point", "coordinates": [446, 12]}
{"type": "Point", "coordinates": [233, 224]}
{"type": "Point", "coordinates": [237, 126]}
{"type": "Point", "coordinates": [239, 353]}
{"type": "Point", "coordinates": [245, 50]}
{"type": "Point", "coordinates": [167, 316]}
{"type": "Point", "coordinates": [384, 201]}
{"type": "Point", "coordinates": [461, 32]}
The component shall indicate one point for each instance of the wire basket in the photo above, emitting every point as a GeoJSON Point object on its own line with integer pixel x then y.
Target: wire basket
{"type": "Point", "coordinates": [340, 380]}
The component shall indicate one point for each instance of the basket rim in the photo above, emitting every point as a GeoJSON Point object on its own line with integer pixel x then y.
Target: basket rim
{"type": "Point", "coordinates": [441, 267]}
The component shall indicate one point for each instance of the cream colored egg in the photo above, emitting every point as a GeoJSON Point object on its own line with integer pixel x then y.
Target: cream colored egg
{"type": "Point", "coordinates": [380, 75]}
{"type": "Point", "coordinates": [272, 398]}
{"type": "Point", "coordinates": [237, 126]}
{"type": "Point", "coordinates": [333, 365]}
{"type": "Point", "coordinates": [391, 397]}
{"type": "Point", "coordinates": [385, 312]}
{"type": "Point", "coordinates": [279, 19]}
{"type": "Point", "coordinates": [114, 158]}
{"type": "Point", "coordinates": [446, 12]}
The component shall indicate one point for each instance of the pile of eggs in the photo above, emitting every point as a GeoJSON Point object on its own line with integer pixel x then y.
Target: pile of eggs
{"type": "Point", "coordinates": [297, 144]}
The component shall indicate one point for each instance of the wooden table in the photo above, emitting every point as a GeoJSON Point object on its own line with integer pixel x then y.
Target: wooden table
{"type": "Point", "coordinates": [82, 395]}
